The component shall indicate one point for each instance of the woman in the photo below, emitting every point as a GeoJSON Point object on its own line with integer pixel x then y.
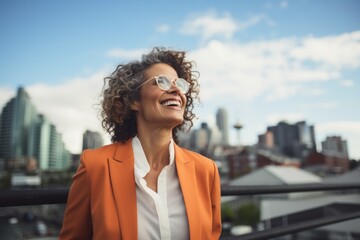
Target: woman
{"type": "Point", "coordinates": [144, 186]}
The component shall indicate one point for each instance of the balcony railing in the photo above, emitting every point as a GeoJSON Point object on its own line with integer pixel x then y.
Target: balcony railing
{"type": "Point", "coordinates": [10, 198]}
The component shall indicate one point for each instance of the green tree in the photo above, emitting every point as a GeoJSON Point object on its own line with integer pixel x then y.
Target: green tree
{"type": "Point", "coordinates": [227, 214]}
{"type": "Point", "coordinates": [248, 214]}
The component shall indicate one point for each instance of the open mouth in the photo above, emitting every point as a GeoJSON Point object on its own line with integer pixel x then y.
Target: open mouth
{"type": "Point", "coordinates": [171, 103]}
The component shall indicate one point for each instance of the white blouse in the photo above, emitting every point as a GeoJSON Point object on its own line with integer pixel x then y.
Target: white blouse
{"type": "Point", "coordinates": [162, 214]}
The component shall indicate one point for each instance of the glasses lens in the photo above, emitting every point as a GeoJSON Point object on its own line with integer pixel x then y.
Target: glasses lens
{"type": "Point", "coordinates": [163, 82]}
{"type": "Point", "coordinates": [183, 85]}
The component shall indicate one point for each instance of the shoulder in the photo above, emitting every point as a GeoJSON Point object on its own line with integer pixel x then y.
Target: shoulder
{"type": "Point", "coordinates": [194, 154]}
{"type": "Point", "coordinates": [106, 149]}
{"type": "Point", "coordinates": [199, 159]}
{"type": "Point", "coordinates": [98, 156]}
{"type": "Point", "coordinates": [204, 168]}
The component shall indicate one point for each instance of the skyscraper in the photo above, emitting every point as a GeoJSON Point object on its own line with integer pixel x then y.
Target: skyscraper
{"type": "Point", "coordinates": [295, 140]}
{"type": "Point", "coordinates": [335, 145]}
{"type": "Point", "coordinates": [25, 134]}
{"type": "Point", "coordinates": [204, 139]}
{"type": "Point", "coordinates": [223, 125]}
{"type": "Point", "coordinates": [92, 140]}
{"type": "Point", "coordinates": [18, 118]}
{"type": "Point", "coordinates": [59, 155]}
{"type": "Point", "coordinates": [42, 141]}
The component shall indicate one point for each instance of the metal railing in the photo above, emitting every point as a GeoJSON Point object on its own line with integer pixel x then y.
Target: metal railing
{"type": "Point", "coordinates": [10, 198]}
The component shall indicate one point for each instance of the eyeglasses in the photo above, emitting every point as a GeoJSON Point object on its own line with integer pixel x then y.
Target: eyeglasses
{"type": "Point", "coordinates": [165, 83]}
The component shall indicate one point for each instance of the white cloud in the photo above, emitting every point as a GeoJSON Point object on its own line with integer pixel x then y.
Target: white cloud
{"type": "Point", "coordinates": [163, 28]}
{"type": "Point", "coordinates": [322, 105]}
{"type": "Point", "coordinates": [5, 95]}
{"type": "Point", "coordinates": [347, 83]}
{"type": "Point", "coordinates": [252, 21]}
{"type": "Point", "coordinates": [334, 128]}
{"type": "Point", "coordinates": [281, 92]}
{"type": "Point", "coordinates": [274, 69]}
{"type": "Point", "coordinates": [313, 91]}
{"type": "Point", "coordinates": [210, 25]}
{"type": "Point", "coordinates": [337, 52]}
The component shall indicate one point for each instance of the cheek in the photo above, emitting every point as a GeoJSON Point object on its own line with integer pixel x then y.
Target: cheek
{"type": "Point", "coordinates": [150, 99]}
{"type": "Point", "coordinates": [184, 99]}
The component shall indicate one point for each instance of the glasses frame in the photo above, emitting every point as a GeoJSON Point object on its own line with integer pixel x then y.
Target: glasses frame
{"type": "Point", "coordinates": [172, 82]}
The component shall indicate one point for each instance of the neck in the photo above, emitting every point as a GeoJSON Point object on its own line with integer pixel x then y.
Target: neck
{"type": "Point", "coordinates": [155, 144]}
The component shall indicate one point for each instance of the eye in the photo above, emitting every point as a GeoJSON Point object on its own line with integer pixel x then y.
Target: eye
{"type": "Point", "coordinates": [163, 82]}
{"type": "Point", "coordinates": [183, 85]}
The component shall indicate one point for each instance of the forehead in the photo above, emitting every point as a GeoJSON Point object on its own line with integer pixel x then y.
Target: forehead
{"type": "Point", "coordinates": [160, 69]}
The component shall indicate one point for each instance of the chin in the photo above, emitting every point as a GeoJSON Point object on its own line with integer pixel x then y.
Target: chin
{"type": "Point", "coordinates": [176, 122]}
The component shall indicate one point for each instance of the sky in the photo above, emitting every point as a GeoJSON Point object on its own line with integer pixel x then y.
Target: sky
{"type": "Point", "coordinates": [264, 61]}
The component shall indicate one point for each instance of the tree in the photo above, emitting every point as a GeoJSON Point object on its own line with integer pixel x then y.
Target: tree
{"type": "Point", "coordinates": [227, 214]}
{"type": "Point", "coordinates": [248, 214]}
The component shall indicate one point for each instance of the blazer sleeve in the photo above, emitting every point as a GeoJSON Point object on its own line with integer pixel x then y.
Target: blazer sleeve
{"type": "Point", "coordinates": [216, 205]}
{"type": "Point", "coordinates": [77, 222]}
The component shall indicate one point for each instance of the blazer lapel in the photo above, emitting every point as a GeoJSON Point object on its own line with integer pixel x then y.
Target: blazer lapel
{"type": "Point", "coordinates": [121, 169]}
{"type": "Point", "coordinates": [187, 178]}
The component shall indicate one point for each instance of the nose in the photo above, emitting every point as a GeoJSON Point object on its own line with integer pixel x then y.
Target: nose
{"type": "Point", "coordinates": [173, 88]}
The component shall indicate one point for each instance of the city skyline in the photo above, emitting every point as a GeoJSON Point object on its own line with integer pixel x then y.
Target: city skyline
{"type": "Point", "coordinates": [264, 61]}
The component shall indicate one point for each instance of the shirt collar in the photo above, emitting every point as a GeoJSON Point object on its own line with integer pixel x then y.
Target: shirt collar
{"type": "Point", "coordinates": [141, 164]}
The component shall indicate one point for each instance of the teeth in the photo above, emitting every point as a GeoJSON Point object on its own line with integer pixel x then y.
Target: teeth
{"type": "Point", "coordinates": [169, 103]}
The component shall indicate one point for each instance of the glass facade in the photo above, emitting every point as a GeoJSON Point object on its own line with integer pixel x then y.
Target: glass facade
{"type": "Point", "coordinates": [25, 134]}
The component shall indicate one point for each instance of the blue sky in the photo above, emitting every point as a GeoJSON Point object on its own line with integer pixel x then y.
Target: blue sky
{"type": "Point", "coordinates": [264, 61]}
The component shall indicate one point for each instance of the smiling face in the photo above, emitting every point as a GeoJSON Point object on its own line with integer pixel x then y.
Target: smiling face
{"type": "Point", "coordinates": [156, 107]}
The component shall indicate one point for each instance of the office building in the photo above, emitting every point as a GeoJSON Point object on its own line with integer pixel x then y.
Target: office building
{"type": "Point", "coordinates": [17, 121]}
{"type": "Point", "coordinates": [204, 139]}
{"type": "Point", "coordinates": [335, 145]}
{"type": "Point", "coordinates": [223, 125]}
{"type": "Point", "coordinates": [25, 134]}
{"type": "Point", "coordinates": [266, 140]}
{"type": "Point", "coordinates": [92, 140]}
{"type": "Point", "coordinates": [294, 140]}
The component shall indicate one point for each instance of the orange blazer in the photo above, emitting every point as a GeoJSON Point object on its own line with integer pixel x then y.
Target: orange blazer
{"type": "Point", "coordinates": [102, 199]}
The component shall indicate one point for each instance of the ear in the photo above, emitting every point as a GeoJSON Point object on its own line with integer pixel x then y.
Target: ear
{"type": "Point", "coordinates": [135, 106]}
